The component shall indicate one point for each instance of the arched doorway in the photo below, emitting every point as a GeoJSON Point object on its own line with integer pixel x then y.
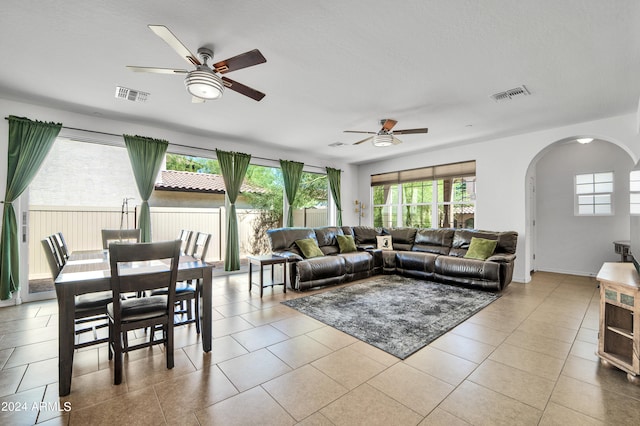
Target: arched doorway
{"type": "Point", "coordinates": [560, 239]}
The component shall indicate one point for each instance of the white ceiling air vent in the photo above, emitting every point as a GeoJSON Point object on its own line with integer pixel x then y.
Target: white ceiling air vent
{"type": "Point", "coordinates": [130, 94]}
{"type": "Point", "coordinates": [510, 94]}
{"type": "Point", "coordinates": [336, 144]}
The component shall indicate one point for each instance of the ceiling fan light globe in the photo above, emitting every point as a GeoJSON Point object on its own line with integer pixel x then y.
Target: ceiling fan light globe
{"type": "Point", "coordinates": [383, 140]}
{"type": "Point", "coordinates": [204, 84]}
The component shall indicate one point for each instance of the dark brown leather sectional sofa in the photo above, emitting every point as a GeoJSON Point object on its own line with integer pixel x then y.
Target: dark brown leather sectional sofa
{"type": "Point", "coordinates": [430, 254]}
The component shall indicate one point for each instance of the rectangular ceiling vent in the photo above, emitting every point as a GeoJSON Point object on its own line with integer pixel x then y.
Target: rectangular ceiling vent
{"type": "Point", "coordinates": [131, 95]}
{"type": "Point", "coordinates": [517, 92]}
{"type": "Point", "coordinates": [336, 144]}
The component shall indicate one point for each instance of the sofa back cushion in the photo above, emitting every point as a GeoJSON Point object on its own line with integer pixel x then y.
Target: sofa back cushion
{"type": "Point", "coordinates": [436, 241]}
{"type": "Point", "coordinates": [327, 241]}
{"type": "Point", "coordinates": [507, 241]}
{"type": "Point", "coordinates": [401, 238]}
{"type": "Point", "coordinates": [284, 239]}
{"type": "Point", "coordinates": [347, 230]}
{"type": "Point", "coordinates": [366, 235]}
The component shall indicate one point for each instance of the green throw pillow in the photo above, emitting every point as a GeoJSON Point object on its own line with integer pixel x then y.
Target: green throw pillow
{"type": "Point", "coordinates": [480, 248]}
{"type": "Point", "coordinates": [309, 248]}
{"type": "Point", "coordinates": [346, 243]}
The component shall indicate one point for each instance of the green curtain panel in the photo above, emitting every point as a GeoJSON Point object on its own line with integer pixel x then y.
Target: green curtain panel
{"type": "Point", "coordinates": [29, 144]}
{"type": "Point", "coordinates": [334, 184]}
{"type": "Point", "coordinates": [146, 156]}
{"type": "Point", "coordinates": [291, 173]}
{"type": "Point", "coordinates": [234, 167]}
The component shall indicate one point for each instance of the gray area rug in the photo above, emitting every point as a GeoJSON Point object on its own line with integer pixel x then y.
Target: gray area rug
{"type": "Point", "coordinates": [396, 314]}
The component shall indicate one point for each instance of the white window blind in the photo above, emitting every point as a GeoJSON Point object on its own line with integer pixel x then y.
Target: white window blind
{"type": "Point", "coordinates": [444, 171]}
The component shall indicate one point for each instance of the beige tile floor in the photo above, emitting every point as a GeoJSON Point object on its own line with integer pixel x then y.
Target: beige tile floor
{"type": "Point", "coordinates": [526, 359]}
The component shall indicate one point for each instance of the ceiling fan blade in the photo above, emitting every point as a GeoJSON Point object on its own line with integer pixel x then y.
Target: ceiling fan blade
{"type": "Point", "coordinates": [244, 60]}
{"type": "Point", "coordinates": [388, 124]}
{"type": "Point", "coordinates": [166, 34]}
{"type": "Point", "coordinates": [396, 141]}
{"type": "Point", "coordinates": [411, 131]}
{"type": "Point", "coordinates": [242, 89]}
{"type": "Point", "coordinates": [358, 131]}
{"type": "Point", "coordinates": [364, 140]}
{"type": "Point", "coordinates": [196, 100]}
{"type": "Point", "coordinates": [157, 70]}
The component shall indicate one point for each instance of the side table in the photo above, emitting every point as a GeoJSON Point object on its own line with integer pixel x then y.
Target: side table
{"type": "Point", "coordinates": [619, 334]}
{"type": "Point", "coordinates": [263, 260]}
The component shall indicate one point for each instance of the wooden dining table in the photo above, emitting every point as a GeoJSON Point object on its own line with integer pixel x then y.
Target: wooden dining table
{"type": "Point", "coordinates": [89, 272]}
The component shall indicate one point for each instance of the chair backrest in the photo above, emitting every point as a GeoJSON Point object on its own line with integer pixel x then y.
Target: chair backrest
{"type": "Point", "coordinates": [120, 235]}
{"type": "Point", "coordinates": [61, 246]}
{"type": "Point", "coordinates": [139, 267]}
{"type": "Point", "coordinates": [52, 257]}
{"type": "Point", "coordinates": [60, 259]}
{"type": "Point", "coordinates": [185, 237]}
{"type": "Point", "coordinates": [200, 246]}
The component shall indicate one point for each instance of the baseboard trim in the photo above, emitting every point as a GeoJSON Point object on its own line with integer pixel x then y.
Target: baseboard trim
{"type": "Point", "coordinates": [568, 272]}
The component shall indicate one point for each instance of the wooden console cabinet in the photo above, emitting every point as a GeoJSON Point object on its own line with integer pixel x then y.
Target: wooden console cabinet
{"type": "Point", "coordinates": [619, 334]}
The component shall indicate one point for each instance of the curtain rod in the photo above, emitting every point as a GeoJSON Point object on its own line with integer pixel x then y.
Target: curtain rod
{"type": "Point", "coordinates": [174, 144]}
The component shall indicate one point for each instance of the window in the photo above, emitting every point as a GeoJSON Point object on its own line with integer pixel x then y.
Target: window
{"type": "Point", "coordinates": [593, 194]}
{"type": "Point", "coordinates": [260, 205]}
{"type": "Point", "coordinates": [310, 208]}
{"type": "Point", "coordinates": [456, 202]}
{"type": "Point", "coordinates": [265, 191]}
{"type": "Point", "coordinates": [634, 192]}
{"type": "Point", "coordinates": [385, 200]}
{"type": "Point", "coordinates": [430, 197]}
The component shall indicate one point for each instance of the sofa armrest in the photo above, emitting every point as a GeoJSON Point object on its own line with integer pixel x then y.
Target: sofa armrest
{"type": "Point", "coordinates": [502, 258]}
{"type": "Point", "coordinates": [376, 256]}
{"type": "Point", "coordinates": [291, 257]}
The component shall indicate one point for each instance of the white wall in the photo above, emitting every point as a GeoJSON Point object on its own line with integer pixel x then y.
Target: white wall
{"type": "Point", "coordinates": [561, 235]}
{"type": "Point", "coordinates": [501, 169]}
{"type": "Point", "coordinates": [81, 174]}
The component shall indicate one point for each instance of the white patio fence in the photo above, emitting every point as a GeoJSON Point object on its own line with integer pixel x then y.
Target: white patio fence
{"type": "Point", "coordinates": [81, 228]}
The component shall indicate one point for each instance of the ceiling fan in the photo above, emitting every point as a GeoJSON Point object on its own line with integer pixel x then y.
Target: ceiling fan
{"type": "Point", "coordinates": [385, 136]}
{"type": "Point", "coordinates": [204, 83]}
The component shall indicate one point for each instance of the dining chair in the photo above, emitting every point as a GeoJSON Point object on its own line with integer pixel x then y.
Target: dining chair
{"type": "Point", "coordinates": [200, 246]}
{"type": "Point", "coordinates": [141, 267]}
{"type": "Point", "coordinates": [90, 308]}
{"type": "Point", "coordinates": [120, 235]}
{"type": "Point", "coordinates": [188, 291]}
{"type": "Point", "coordinates": [185, 236]}
{"type": "Point", "coordinates": [55, 266]}
{"type": "Point", "coordinates": [57, 251]}
{"type": "Point", "coordinates": [61, 246]}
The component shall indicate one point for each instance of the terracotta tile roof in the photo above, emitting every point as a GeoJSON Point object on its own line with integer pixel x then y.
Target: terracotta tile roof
{"type": "Point", "coordinates": [172, 180]}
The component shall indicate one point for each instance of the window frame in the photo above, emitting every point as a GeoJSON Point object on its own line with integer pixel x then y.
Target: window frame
{"type": "Point", "coordinates": [598, 190]}
{"type": "Point", "coordinates": [634, 193]}
{"type": "Point", "coordinates": [395, 206]}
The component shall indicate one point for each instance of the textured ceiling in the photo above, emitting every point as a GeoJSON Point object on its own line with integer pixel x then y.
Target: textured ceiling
{"type": "Point", "coordinates": [333, 65]}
